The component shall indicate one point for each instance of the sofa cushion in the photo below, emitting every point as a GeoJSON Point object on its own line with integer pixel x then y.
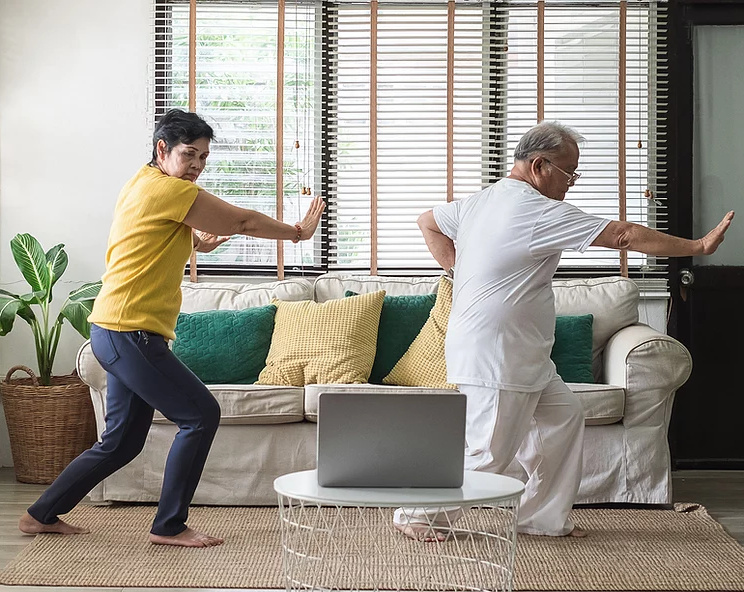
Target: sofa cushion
{"type": "Point", "coordinates": [333, 341]}
{"type": "Point", "coordinates": [331, 286]}
{"type": "Point", "coordinates": [424, 363]}
{"type": "Point", "coordinates": [572, 348]}
{"type": "Point", "coordinates": [225, 346]}
{"type": "Point", "coordinates": [224, 296]}
{"type": "Point", "coordinates": [312, 391]}
{"type": "Point", "coordinates": [401, 321]}
{"type": "Point", "coordinates": [603, 404]}
{"type": "Point", "coordinates": [250, 404]}
{"type": "Point", "coordinates": [612, 301]}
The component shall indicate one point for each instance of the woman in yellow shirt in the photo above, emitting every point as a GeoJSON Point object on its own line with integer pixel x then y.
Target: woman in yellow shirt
{"type": "Point", "coordinates": [135, 315]}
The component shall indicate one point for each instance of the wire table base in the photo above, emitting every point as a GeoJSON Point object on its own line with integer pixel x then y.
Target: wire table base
{"type": "Point", "coordinates": [342, 547]}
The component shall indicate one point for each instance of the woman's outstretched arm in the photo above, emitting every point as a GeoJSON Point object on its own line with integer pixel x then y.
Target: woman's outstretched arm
{"type": "Point", "coordinates": [214, 215]}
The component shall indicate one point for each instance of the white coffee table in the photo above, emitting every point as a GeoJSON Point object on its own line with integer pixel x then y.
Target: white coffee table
{"type": "Point", "coordinates": [343, 539]}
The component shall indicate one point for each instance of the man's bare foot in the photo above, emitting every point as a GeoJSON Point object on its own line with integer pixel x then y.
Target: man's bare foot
{"type": "Point", "coordinates": [423, 532]}
{"type": "Point", "coordinates": [187, 538]}
{"type": "Point", "coordinates": [577, 533]}
{"type": "Point", "coordinates": [30, 525]}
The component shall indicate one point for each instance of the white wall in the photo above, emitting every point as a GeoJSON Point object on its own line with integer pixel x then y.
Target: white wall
{"type": "Point", "coordinates": [73, 129]}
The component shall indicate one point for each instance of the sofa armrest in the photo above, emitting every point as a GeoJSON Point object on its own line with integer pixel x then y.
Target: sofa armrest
{"type": "Point", "coordinates": [651, 366]}
{"type": "Point", "coordinates": [92, 374]}
{"type": "Point", "coordinates": [88, 368]}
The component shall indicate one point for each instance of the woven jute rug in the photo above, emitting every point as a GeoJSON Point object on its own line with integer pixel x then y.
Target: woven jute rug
{"type": "Point", "coordinates": [681, 549]}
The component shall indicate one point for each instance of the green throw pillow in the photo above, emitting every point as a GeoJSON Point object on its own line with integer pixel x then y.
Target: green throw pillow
{"type": "Point", "coordinates": [400, 322]}
{"type": "Point", "coordinates": [572, 350]}
{"type": "Point", "coordinates": [225, 346]}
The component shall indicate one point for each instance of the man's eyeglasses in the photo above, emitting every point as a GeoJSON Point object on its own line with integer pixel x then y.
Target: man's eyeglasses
{"type": "Point", "coordinates": [572, 177]}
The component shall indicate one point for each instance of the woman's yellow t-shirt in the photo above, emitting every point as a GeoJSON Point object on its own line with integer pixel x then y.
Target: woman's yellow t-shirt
{"type": "Point", "coordinates": [148, 248]}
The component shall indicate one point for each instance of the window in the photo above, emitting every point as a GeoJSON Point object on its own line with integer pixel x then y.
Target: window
{"type": "Point", "coordinates": [237, 48]}
{"type": "Point", "coordinates": [400, 106]}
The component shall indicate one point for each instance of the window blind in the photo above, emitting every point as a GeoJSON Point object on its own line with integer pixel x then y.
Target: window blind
{"type": "Point", "coordinates": [400, 106]}
{"type": "Point", "coordinates": [515, 63]}
{"type": "Point", "coordinates": [237, 62]}
{"type": "Point", "coordinates": [411, 168]}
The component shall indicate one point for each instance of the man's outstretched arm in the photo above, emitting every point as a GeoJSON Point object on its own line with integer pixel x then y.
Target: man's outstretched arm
{"type": "Point", "coordinates": [634, 237]}
{"type": "Point", "coordinates": [440, 245]}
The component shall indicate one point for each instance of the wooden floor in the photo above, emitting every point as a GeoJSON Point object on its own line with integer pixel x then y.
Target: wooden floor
{"type": "Point", "coordinates": [721, 492]}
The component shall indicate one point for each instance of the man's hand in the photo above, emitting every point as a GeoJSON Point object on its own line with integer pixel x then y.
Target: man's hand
{"type": "Point", "coordinates": [440, 246]}
{"type": "Point", "coordinates": [208, 242]}
{"type": "Point", "coordinates": [714, 238]}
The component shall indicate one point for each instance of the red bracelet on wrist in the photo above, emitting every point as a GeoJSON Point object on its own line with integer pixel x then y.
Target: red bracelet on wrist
{"type": "Point", "coordinates": [299, 234]}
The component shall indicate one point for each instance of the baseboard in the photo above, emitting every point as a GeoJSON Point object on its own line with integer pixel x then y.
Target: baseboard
{"type": "Point", "coordinates": [725, 464]}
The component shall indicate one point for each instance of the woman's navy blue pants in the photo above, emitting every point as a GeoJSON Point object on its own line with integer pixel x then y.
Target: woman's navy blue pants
{"type": "Point", "coordinates": [143, 375]}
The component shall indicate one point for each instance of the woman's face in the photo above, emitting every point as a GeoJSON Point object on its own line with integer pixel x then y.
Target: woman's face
{"type": "Point", "coordinates": [185, 161]}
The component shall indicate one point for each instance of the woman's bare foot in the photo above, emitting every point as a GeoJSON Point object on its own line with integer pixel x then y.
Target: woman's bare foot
{"type": "Point", "coordinates": [187, 538]}
{"type": "Point", "coordinates": [423, 532]}
{"type": "Point", "coordinates": [30, 525]}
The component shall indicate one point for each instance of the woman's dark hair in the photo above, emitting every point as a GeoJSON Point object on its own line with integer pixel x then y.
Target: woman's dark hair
{"type": "Point", "coordinates": [179, 127]}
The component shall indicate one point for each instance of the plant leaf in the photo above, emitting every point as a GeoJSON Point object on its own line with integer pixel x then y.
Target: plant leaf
{"type": "Point", "coordinates": [86, 291]}
{"type": "Point", "coordinates": [8, 309]}
{"type": "Point", "coordinates": [79, 306]}
{"type": "Point", "coordinates": [31, 260]}
{"type": "Point", "coordinates": [77, 313]}
{"type": "Point", "coordinates": [57, 261]}
{"type": "Point", "coordinates": [6, 293]}
{"type": "Point", "coordinates": [27, 314]}
{"type": "Point", "coordinates": [33, 298]}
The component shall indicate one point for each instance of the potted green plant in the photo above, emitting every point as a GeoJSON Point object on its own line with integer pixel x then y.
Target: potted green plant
{"type": "Point", "coordinates": [50, 418]}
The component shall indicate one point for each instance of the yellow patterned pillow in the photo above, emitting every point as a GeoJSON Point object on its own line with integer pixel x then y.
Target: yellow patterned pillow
{"type": "Point", "coordinates": [423, 364]}
{"type": "Point", "coordinates": [323, 343]}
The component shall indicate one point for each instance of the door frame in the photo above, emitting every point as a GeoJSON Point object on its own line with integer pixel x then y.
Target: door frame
{"type": "Point", "coordinates": [683, 15]}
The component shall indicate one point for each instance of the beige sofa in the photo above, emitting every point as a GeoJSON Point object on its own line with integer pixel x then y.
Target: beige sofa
{"type": "Point", "coordinates": [268, 431]}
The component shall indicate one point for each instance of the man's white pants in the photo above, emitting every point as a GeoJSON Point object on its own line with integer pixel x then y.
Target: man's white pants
{"type": "Point", "coordinates": [544, 430]}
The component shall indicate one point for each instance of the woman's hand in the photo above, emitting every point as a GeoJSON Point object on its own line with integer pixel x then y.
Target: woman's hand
{"type": "Point", "coordinates": [310, 222]}
{"type": "Point", "coordinates": [208, 242]}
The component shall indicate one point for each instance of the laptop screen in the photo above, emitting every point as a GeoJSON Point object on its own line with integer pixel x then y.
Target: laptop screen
{"type": "Point", "coordinates": [391, 440]}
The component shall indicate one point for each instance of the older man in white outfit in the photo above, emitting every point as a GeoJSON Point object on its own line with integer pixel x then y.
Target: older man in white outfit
{"type": "Point", "coordinates": [509, 240]}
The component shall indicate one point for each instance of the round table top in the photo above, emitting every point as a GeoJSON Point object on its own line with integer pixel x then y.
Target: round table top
{"type": "Point", "coordinates": [477, 488]}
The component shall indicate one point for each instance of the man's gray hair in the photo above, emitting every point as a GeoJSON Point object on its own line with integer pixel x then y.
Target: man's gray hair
{"type": "Point", "coordinates": [547, 137]}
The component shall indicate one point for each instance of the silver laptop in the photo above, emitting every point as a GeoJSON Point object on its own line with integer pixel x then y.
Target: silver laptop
{"type": "Point", "coordinates": [391, 440]}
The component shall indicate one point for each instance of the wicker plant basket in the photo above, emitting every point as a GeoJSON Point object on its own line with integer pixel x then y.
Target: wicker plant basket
{"type": "Point", "coordinates": [48, 425]}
